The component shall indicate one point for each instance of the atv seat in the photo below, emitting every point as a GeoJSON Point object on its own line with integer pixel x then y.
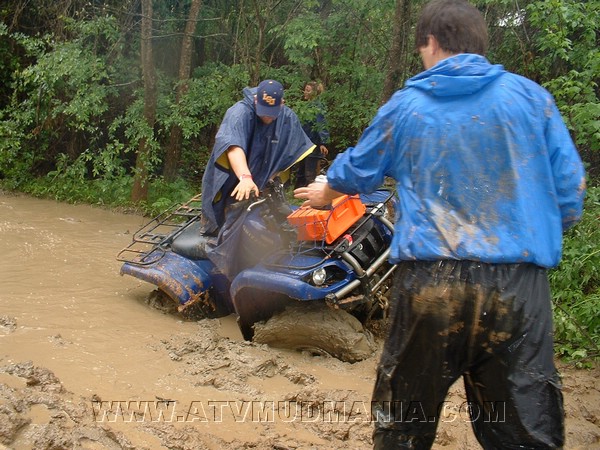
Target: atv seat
{"type": "Point", "coordinates": [192, 243]}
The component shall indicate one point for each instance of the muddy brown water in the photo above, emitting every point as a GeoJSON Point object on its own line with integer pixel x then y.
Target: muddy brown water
{"type": "Point", "coordinates": [74, 313]}
{"type": "Point", "coordinates": [74, 334]}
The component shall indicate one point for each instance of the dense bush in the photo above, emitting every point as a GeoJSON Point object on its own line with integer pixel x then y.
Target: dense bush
{"type": "Point", "coordinates": [576, 286]}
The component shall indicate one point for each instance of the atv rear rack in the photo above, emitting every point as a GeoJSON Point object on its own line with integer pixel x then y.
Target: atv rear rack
{"type": "Point", "coordinates": [152, 240]}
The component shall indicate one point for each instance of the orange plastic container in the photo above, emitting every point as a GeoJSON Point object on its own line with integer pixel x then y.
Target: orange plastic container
{"type": "Point", "coordinates": [318, 224]}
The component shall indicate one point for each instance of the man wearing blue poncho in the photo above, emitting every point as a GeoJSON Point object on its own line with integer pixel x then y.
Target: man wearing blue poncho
{"type": "Point", "coordinates": [488, 179]}
{"type": "Point", "coordinates": [259, 138]}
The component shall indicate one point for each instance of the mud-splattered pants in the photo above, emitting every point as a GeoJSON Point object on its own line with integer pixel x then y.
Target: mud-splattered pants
{"type": "Point", "coordinates": [490, 324]}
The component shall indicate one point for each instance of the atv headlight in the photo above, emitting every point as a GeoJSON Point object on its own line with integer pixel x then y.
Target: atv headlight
{"type": "Point", "coordinates": [319, 276]}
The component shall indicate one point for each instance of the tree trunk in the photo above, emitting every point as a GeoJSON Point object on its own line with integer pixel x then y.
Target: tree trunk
{"type": "Point", "coordinates": [139, 191]}
{"type": "Point", "coordinates": [255, 72]}
{"type": "Point", "coordinates": [173, 152]}
{"type": "Point", "coordinates": [398, 52]}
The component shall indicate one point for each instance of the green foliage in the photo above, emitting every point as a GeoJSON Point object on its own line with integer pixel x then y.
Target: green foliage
{"type": "Point", "coordinates": [57, 102]}
{"type": "Point", "coordinates": [213, 89]}
{"type": "Point", "coordinates": [68, 83]}
{"type": "Point", "coordinates": [9, 63]}
{"type": "Point", "coordinates": [578, 101]}
{"type": "Point", "coordinates": [164, 195]}
{"type": "Point", "coordinates": [128, 130]}
{"type": "Point", "coordinates": [568, 60]}
{"type": "Point", "coordinates": [71, 183]}
{"type": "Point", "coordinates": [302, 39]}
{"type": "Point", "coordinates": [347, 50]}
{"type": "Point", "coordinates": [356, 57]}
{"type": "Point", "coordinates": [576, 286]}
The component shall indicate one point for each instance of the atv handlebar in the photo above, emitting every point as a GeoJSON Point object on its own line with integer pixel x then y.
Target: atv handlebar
{"type": "Point", "coordinates": [256, 203]}
{"type": "Point", "coordinates": [273, 191]}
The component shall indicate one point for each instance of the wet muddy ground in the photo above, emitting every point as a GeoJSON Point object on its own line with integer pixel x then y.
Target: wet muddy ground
{"type": "Point", "coordinates": [86, 363]}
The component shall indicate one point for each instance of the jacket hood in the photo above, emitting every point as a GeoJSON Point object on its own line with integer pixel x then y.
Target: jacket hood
{"type": "Point", "coordinates": [459, 75]}
{"type": "Point", "coordinates": [249, 93]}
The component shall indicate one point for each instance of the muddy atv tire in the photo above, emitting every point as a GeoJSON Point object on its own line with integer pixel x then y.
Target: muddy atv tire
{"type": "Point", "coordinates": [319, 330]}
{"type": "Point", "coordinates": [161, 301]}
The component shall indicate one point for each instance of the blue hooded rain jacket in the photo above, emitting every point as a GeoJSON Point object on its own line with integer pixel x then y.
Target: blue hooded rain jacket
{"type": "Point", "coordinates": [485, 168]}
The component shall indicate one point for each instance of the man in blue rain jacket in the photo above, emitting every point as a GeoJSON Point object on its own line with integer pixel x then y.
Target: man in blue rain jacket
{"type": "Point", "coordinates": [488, 180]}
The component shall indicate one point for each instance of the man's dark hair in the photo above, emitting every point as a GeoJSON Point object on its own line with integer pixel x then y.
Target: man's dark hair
{"type": "Point", "coordinates": [457, 25]}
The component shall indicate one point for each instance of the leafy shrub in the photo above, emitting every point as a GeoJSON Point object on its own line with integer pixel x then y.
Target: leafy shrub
{"type": "Point", "coordinates": [568, 61]}
{"type": "Point", "coordinates": [57, 104]}
{"type": "Point", "coordinates": [576, 286]}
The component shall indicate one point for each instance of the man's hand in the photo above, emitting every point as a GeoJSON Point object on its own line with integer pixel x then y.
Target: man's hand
{"type": "Point", "coordinates": [316, 194]}
{"type": "Point", "coordinates": [244, 188]}
{"type": "Point", "coordinates": [239, 165]}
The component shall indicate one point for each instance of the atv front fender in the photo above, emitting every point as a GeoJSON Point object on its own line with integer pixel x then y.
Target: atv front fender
{"type": "Point", "coordinates": [182, 279]}
{"type": "Point", "coordinates": [281, 283]}
{"type": "Point", "coordinates": [258, 294]}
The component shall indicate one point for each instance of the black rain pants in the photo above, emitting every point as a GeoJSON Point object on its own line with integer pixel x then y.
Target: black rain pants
{"type": "Point", "coordinates": [490, 324]}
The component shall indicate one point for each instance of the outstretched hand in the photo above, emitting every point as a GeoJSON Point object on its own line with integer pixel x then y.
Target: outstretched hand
{"type": "Point", "coordinates": [316, 194]}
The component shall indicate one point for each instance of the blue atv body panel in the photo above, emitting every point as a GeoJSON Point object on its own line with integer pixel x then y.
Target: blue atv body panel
{"type": "Point", "coordinates": [290, 276]}
{"type": "Point", "coordinates": [182, 279]}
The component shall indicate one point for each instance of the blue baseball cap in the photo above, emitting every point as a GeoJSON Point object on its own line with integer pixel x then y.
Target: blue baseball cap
{"type": "Point", "coordinates": [269, 98]}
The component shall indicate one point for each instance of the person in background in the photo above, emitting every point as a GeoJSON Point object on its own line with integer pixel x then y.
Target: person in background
{"type": "Point", "coordinates": [258, 139]}
{"type": "Point", "coordinates": [488, 179]}
{"type": "Point", "coordinates": [316, 130]}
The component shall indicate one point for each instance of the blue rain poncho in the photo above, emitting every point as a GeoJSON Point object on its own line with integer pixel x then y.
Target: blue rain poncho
{"type": "Point", "coordinates": [485, 167]}
{"type": "Point", "coordinates": [269, 149]}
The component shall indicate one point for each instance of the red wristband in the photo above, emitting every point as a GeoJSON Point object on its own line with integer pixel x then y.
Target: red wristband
{"type": "Point", "coordinates": [245, 175]}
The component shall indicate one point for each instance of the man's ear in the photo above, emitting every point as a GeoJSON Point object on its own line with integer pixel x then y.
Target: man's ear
{"type": "Point", "coordinates": [255, 99]}
{"type": "Point", "coordinates": [282, 101]}
{"type": "Point", "coordinates": [432, 44]}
